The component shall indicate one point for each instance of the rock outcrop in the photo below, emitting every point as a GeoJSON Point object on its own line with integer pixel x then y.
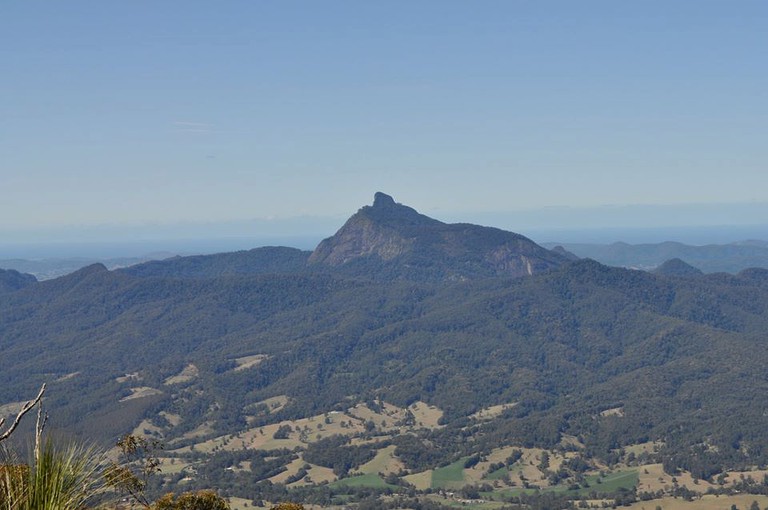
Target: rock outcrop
{"type": "Point", "coordinates": [397, 241]}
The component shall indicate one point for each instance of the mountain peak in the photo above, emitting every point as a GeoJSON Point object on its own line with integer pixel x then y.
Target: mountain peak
{"type": "Point", "coordinates": [386, 211]}
{"type": "Point", "coordinates": [393, 239]}
{"type": "Point", "coordinates": [383, 201]}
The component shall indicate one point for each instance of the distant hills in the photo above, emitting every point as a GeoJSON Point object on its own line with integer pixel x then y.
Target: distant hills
{"type": "Point", "coordinates": [713, 258]}
{"type": "Point", "coordinates": [256, 261]}
{"type": "Point", "coordinates": [48, 268]}
{"type": "Point", "coordinates": [677, 267]}
{"type": "Point", "coordinates": [400, 308]}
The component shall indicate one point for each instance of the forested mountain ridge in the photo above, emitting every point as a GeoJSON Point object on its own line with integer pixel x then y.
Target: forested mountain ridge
{"type": "Point", "coordinates": [610, 356]}
{"type": "Point", "coordinates": [11, 280]}
{"type": "Point", "coordinates": [268, 259]}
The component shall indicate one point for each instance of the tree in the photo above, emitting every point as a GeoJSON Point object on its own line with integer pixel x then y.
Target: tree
{"type": "Point", "coordinates": [200, 500]}
{"type": "Point", "coordinates": [287, 506]}
{"type": "Point", "coordinates": [139, 461]}
{"type": "Point", "coordinates": [282, 432]}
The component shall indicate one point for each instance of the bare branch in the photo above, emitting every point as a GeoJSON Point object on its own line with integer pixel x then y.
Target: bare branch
{"type": "Point", "coordinates": [42, 419]}
{"type": "Point", "coordinates": [24, 410]}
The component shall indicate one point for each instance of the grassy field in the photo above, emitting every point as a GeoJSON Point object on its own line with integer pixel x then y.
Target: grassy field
{"type": "Point", "coordinates": [291, 469]}
{"type": "Point", "coordinates": [450, 476]}
{"type": "Point", "coordinates": [611, 482]}
{"type": "Point", "coordinates": [478, 505]}
{"type": "Point", "coordinates": [140, 392]}
{"type": "Point", "coordinates": [498, 474]}
{"type": "Point", "coordinates": [742, 502]}
{"type": "Point", "coordinates": [189, 373]}
{"type": "Point", "coordinates": [421, 481]}
{"type": "Point", "coordinates": [173, 466]}
{"type": "Point", "coordinates": [249, 361]}
{"type": "Point", "coordinates": [372, 480]}
{"type": "Point", "coordinates": [426, 415]}
{"type": "Point", "coordinates": [384, 462]}
{"type": "Point", "coordinates": [489, 413]}
{"type": "Point", "coordinates": [146, 428]}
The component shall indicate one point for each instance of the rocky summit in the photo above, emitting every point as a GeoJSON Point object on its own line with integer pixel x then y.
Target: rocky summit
{"type": "Point", "coordinates": [392, 238]}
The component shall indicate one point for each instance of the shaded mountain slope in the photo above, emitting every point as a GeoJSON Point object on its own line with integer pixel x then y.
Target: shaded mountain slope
{"type": "Point", "coordinates": [12, 280]}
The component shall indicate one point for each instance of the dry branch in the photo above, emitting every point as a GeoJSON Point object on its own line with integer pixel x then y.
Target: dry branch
{"type": "Point", "coordinates": [24, 410]}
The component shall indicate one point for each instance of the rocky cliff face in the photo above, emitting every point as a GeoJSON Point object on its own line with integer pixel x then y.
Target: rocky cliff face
{"type": "Point", "coordinates": [394, 237]}
{"type": "Point", "coordinates": [385, 230]}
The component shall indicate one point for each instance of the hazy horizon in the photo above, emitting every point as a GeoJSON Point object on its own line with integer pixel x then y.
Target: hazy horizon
{"type": "Point", "coordinates": [636, 224]}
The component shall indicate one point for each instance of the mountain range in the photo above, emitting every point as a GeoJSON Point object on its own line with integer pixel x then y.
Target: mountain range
{"type": "Point", "coordinates": [710, 258]}
{"type": "Point", "coordinates": [401, 309]}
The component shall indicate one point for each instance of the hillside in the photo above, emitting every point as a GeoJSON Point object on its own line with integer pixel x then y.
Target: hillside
{"type": "Point", "coordinates": [11, 280]}
{"type": "Point", "coordinates": [257, 261]}
{"type": "Point", "coordinates": [677, 267]}
{"type": "Point", "coordinates": [197, 349]}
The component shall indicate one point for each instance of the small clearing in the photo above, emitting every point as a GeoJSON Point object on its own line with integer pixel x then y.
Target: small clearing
{"type": "Point", "coordinates": [172, 466]}
{"type": "Point", "coordinates": [616, 411]}
{"type": "Point", "coordinates": [372, 480]}
{"type": "Point", "coordinates": [66, 377]}
{"type": "Point", "coordinates": [492, 412]}
{"type": "Point", "coordinates": [247, 362]}
{"type": "Point", "coordinates": [173, 419]}
{"type": "Point", "coordinates": [653, 478]}
{"type": "Point", "coordinates": [649, 447]}
{"type": "Point", "coordinates": [316, 474]}
{"type": "Point", "coordinates": [384, 462]}
{"type": "Point", "coordinates": [188, 373]}
{"type": "Point", "coordinates": [426, 415]}
{"type": "Point", "coordinates": [141, 392]}
{"type": "Point", "coordinates": [147, 428]}
{"type": "Point", "coordinates": [128, 377]}
{"type": "Point", "coordinates": [421, 481]}
{"type": "Point", "coordinates": [203, 429]}
{"type": "Point", "coordinates": [290, 470]}
{"type": "Point", "coordinates": [450, 476]}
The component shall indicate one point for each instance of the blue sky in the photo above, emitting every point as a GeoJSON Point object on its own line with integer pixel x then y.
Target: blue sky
{"type": "Point", "coordinates": [144, 112]}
